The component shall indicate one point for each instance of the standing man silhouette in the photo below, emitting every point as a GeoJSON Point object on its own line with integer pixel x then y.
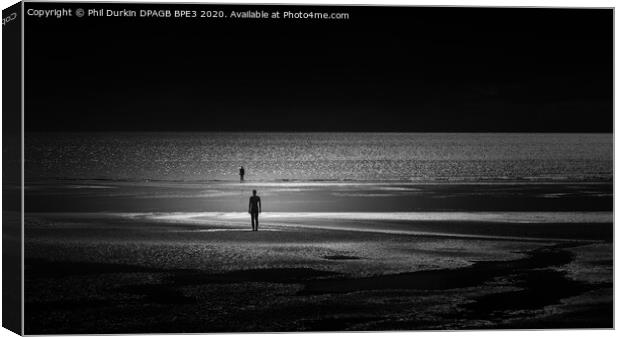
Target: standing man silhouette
{"type": "Point", "coordinates": [254, 208]}
{"type": "Point", "coordinates": [241, 173]}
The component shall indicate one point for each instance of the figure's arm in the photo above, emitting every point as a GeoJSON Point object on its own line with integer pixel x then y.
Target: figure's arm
{"type": "Point", "coordinates": [250, 206]}
{"type": "Point", "coordinates": [260, 206]}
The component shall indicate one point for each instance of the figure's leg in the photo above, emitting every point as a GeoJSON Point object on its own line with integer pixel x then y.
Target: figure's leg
{"type": "Point", "coordinates": [257, 221]}
{"type": "Point", "coordinates": [252, 217]}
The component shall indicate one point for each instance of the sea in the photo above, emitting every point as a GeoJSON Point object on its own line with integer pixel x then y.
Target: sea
{"type": "Point", "coordinates": [322, 157]}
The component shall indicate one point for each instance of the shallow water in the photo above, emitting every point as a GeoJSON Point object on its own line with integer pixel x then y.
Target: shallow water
{"type": "Point", "coordinates": [420, 157]}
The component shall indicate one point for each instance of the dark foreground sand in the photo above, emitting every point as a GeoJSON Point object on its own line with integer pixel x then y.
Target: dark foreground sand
{"type": "Point", "coordinates": [137, 257]}
{"type": "Point", "coordinates": [120, 273]}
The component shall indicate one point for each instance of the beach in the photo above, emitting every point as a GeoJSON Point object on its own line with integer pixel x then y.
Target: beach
{"type": "Point", "coordinates": [153, 256]}
{"type": "Point", "coordinates": [416, 167]}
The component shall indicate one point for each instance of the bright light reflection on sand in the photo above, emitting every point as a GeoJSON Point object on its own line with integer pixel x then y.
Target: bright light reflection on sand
{"type": "Point", "coordinates": [498, 217]}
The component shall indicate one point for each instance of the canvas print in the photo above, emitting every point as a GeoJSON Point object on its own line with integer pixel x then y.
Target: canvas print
{"type": "Point", "coordinates": [276, 168]}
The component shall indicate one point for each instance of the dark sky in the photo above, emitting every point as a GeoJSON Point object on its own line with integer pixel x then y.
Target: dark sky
{"type": "Point", "coordinates": [384, 69]}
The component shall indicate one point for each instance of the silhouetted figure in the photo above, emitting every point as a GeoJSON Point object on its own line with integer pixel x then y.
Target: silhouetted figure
{"type": "Point", "coordinates": [254, 209]}
{"type": "Point", "coordinates": [241, 173]}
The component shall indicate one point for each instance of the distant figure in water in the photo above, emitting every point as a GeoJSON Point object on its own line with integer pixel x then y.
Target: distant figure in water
{"type": "Point", "coordinates": [241, 173]}
{"type": "Point", "coordinates": [254, 209]}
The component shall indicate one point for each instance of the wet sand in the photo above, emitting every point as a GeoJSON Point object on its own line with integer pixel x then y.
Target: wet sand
{"type": "Point", "coordinates": [111, 276]}
{"type": "Point", "coordinates": [195, 270]}
{"type": "Point", "coordinates": [326, 196]}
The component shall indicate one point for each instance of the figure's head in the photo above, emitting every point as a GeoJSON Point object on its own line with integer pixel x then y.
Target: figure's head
{"type": "Point", "coordinates": [254, 192]}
